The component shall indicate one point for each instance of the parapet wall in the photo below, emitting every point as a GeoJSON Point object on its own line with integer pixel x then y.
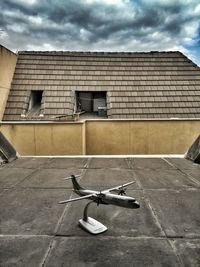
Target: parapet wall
{"type": "Point", "coordinates": [102, 137]}
{"type": "Point", "coordinates": [7, 67]}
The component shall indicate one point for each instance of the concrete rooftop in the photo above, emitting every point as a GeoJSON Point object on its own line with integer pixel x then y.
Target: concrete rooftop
{"type": "Point", "coordinates": [36, 231]}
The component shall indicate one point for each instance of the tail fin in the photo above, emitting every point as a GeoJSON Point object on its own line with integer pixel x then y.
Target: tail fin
{"type": "Point", "coordinates": [76, 185]}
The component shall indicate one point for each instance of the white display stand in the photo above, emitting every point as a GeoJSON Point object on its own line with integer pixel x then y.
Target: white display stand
{"type": "Point", "coordinates": [91, 225]}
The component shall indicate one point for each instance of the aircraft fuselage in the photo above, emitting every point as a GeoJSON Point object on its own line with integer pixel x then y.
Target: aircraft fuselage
{"type": "Point", "coordinates": [108, 198]}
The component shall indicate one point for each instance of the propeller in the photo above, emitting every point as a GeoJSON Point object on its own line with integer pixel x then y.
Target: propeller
{"type": "Point", "coordinates": [99, 198]}
{"type": "Point", "coordinates": [122, 192]}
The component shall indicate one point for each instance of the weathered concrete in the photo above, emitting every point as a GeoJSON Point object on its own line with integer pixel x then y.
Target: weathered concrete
{"type": "Point", "coordinates": [104, 163]}
{"type": "Point", "coordinates": [50, 178]}
{"type": "Point", "coordinates": [7, 179]}
{"type": "Point", "coordinates": [64, 163]}
{"type": "Point", "coordinates": [29, 163]}
{"type": "Point", "coordinates": [187, 167]}
{"type": "Point", "coordinates": [20, 251]}
{"type": "Point", "coordinates": [119, 251]}
{"type": "Point", "coordinates": [188, 250]}
{"type": "Point", "coordinates": [193, 173]}
{"type": "Point", "coordinates": [150, 163]}
{"type": "Point", "coordinates": [101, 178]}
{"type": "Point", "coordinates": [177, 211]}
{"type": "Point", "coordinates": [183, 164]}
{"type": "Point", "coordinates": [31, 211]}
{"type": "Point", "coordinates": [163, 179]}
{"type": "Point", "coordinates": [3, 190]}
{"type": "Point", "coordinates": [37, 231]}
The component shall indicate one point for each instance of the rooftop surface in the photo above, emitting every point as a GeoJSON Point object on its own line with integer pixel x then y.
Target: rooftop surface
{"type": "Point", "coordinates": [37, 231]}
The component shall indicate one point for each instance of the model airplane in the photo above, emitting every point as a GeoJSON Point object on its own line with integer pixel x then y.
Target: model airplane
{"type": "Point", "coordinates": [104, 197]}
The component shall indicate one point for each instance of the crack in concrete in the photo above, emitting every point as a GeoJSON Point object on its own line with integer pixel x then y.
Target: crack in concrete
{"type": "Point", "coordinates": [47, 253]}
{"type": "Point", "coordinates": [157, 222]}
{"type": "Point", "coordinates": [175, 252]}
{"type": "Point", "coordinates": [189, 176]}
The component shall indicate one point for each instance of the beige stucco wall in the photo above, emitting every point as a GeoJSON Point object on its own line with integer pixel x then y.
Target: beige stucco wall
{"type": "Point", "coordinates": [45, 139]}
{"type": "Point", "coordinates": [7, 66]}
{"type": "Point", "coordinates": [103, 137]}
{"type": "Point", "coordinates": [141, 137]}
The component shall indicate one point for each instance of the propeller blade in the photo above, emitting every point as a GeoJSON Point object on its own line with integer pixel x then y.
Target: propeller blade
{"type": "Point", "coordinates": [121, 193]}
{"type": "Point", "coordinates": [100, 195]}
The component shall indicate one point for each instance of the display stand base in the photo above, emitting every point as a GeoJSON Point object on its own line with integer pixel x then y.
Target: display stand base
{"type": "Point", "coordinates": [92, 226]}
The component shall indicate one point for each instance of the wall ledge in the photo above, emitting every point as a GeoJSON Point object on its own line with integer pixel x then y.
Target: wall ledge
{"type": "Point", "coordinates": [98, 120]}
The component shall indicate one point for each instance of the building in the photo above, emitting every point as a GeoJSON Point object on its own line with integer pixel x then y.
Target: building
{"type": "Point", "coordinates": [60, 85]}
{"type": "Point", "coordinates": [138, 103]}
{"type": "Point", "coordinates": [7, 67]}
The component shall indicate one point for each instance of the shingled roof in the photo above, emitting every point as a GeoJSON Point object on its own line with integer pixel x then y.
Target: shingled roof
{"type": "Point", "coordinates": [138, 85]}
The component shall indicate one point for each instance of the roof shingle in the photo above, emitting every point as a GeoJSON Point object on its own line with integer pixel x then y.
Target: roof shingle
{"type": "Point", "coordinates": [138, 85]}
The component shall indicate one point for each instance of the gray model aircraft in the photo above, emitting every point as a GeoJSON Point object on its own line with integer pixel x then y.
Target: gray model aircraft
{"type": "Point", "coordinates": [104, 197]}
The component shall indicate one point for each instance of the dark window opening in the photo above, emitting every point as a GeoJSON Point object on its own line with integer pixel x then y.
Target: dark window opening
{"type": "Point", "coordinates": [35, 103]}
{"type": "Point", "coordinates": [91, 103]}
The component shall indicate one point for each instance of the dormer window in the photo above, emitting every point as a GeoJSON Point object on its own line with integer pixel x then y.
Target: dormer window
{"type": "Point", "coordinates": [91, 104]}
{"type": "Point", "coordinates": [35, 103]}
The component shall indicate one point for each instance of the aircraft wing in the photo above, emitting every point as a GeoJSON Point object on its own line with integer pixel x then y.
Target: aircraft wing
{"type": "Point", "coordinates": [76, 199]}
{"type": "Point", "coordinates": [123, 186]}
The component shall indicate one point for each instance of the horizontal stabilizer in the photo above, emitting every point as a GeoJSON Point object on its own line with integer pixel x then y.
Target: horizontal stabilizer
{"type": "Point", "coordinates": [70, 177]}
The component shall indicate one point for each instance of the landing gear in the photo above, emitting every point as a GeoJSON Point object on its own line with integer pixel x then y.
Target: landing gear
{"type": "Point", "coordinates": [91, 225]}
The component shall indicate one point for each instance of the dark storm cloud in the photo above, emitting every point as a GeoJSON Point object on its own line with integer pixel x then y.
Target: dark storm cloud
{"type": "Point", "coordinates": [97, 25]}
{"type": "Point", "coordinates": [13, 6]}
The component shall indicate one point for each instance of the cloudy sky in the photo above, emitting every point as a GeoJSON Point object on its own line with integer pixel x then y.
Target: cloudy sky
{"type": "Point", "coordinates": [101, 25]}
